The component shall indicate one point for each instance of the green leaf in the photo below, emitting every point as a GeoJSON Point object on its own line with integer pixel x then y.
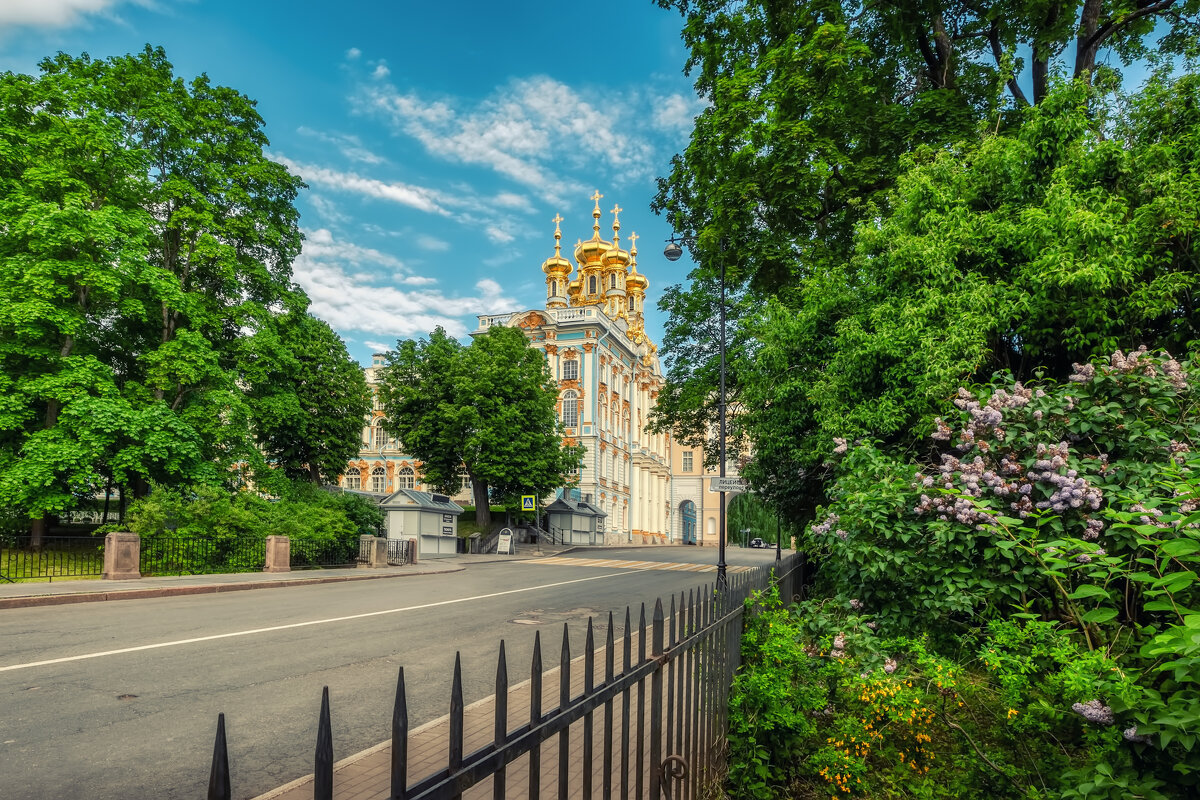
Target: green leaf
{"type": "Point", "coordinates": [1100, 615]}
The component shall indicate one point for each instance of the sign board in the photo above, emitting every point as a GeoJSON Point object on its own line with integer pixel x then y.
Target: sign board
{"type": "Point", "coordinates": [528, 502]}
{"type": "Point", "coordinates": [447, 518]}
{"type": "Point", "coordinates": [728, 485]}
{"type": "Point", "coordinates": [504, 545]}
{"type": "Point", "coordinates": [447, 531]}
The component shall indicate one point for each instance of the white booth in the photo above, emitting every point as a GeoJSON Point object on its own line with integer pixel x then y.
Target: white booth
{"type": "Point", "coordinates": [431, 519]}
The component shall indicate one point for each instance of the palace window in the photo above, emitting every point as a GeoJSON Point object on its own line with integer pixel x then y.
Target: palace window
{"type": "Point", "coordinates": [592, 285]}
{"type": "Point", "coordinates": [378, 479]}
{"type": "Point", "coordinates": [631, 308]}
{"type": "Point", "coordinates": [687, 461]}
{"type": "Point", "coordinates": [571, 370]}
{"type": "Point", "coordinates": [378, 436]}
{"type": "Point", "coordinates": [404, 478]}
{"type": "Point", "coordinates": [353, 479]}
{"type": "Point", "coordinates": [570, 410]}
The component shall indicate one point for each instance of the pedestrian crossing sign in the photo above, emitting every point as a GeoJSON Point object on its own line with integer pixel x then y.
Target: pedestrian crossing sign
{"type": "Point", "coordinates": [528, 502]}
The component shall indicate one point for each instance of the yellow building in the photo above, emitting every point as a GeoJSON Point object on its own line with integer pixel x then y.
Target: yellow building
{"type": "Point", "coordinates": [592, 332]}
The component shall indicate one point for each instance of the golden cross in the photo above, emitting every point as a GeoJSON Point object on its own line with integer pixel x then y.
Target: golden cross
{"type": "Point", "coordinates": [557, 219]}
{"type": "Point", "coordinates": [616, 210]}
{"type": "Point", "coordinates": [633, 237]}
{"type": "Point", "coordinates": [596, 196]}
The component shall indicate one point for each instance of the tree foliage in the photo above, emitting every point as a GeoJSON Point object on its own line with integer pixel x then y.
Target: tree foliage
{"type": "Point", "coordinates": [487, 409]}
{"type": "Point", "coordinates": [309, 398]}
{"type": "Point", "coordinates": [144, 238]}
{"type": "Point", "coordinates": [833, 127]}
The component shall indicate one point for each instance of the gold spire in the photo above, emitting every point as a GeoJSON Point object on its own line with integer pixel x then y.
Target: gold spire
{"type": "Point", "coordinates": [557, 236]}
{"type": "Point", "coordinates": [633, 237]}
{"type": "Point", "coordinates": [616, 209]}
{"type": "Point", "coordinates": [596, 197]}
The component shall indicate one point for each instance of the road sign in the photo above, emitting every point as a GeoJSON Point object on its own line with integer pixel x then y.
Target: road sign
{"type": "Point", "coordinates": [528, 502]}
{"type": "Point", "coordinates": [728, 485]}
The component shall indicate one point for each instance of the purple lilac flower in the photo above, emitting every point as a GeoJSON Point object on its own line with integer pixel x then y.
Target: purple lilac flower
{"type": "Point", "coordinates": [1095, 712]}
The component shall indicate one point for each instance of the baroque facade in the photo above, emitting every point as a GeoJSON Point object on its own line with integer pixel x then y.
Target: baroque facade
{"type": "Point", "coordinates": [592, 332]}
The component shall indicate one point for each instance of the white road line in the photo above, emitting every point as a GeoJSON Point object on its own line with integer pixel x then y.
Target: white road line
{"type": "Point", "coordinates": [139, 648]}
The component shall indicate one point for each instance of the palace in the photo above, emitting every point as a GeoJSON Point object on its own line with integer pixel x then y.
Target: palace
{"type": "Point", "coordinates": [592, 333]}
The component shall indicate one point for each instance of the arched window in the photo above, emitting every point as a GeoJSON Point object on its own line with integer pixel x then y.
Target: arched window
{"type": "Point", "coordinates": [687, 516]}
{"type": "Point", "coordinates": [378, 479]}
{"type": "Point", "coordinates": [353, 479]}
{"type": "Point", "coordinates": [592, 285]}
{"type": "Point", "coordinates": [603, 466]}
{"type": "Point", "coordinates": [571, 370]}
{"type": "Point", "coordinates": [570, 410]}
{"type": "Point", "coordinates": [378, 436]}
{"type": "Point", "coordinates": [404, 478]}
{"type": "Point", "coordinates": [631, 308]}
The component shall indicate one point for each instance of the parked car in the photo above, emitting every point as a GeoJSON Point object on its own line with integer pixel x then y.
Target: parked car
{"type": "Point", "coordinates": [757, 543]}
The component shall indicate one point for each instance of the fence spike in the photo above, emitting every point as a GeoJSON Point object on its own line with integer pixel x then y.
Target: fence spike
{"type": "Point", "coordinates": [589, 660]}
{"type": "Point", "coordinates": [639, 784]}
{"type": "Point", "coordinates": [656, 703]}
{"type": "Point", "coordinates": [609, 674]}
{"type": "Point", "coordinates": [589, 685]}
{"type": "Point", "coordinates": [323, 762]}
{"type": "Point", "coordinates": [400, 740]}
{"type": "Point", "coordinates": [535, 716]}
{"type": "Point", "coordinates": [627, 663]}
{"type": "Point", "coordinates": [218, 778]}
{"type": "Point", "coordinates": [501, 729]}
{"type": "Point", "coordinates": [456, 715]}
{"type": "Point", "coordinates": [564, 700]}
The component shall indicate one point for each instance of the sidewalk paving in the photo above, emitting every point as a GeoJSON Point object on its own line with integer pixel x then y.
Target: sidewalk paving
{"type": "Point", "coordinates": [40, 593]}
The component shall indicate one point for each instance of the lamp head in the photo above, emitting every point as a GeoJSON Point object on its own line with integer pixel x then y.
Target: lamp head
{"type": "Point", "coordinates": [672, 251]}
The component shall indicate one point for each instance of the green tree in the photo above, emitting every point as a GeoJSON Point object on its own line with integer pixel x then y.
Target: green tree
{"type": "Point", "coordinates": [308, 396]}
{"type": "Point", "coordinates": [488, 409]}
{"type": "Point", "coordinates": [142, 230]}
{"type": "Point", "coordinates": [816, 109]}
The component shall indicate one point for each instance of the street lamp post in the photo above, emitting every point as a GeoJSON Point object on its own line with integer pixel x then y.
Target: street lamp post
{"type": "Point", "coordinates": [672, 252]}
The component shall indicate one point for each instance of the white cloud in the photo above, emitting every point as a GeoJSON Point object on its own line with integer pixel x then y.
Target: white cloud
{"type": "Point", "coordinates": [338, 277]}
{"type": "Point", "coordinates": [520, 131]}
{"type": "Point", "coordinates": [353, 54]}
{"type": "Point", "coordinates": [349, 146]}
{"type": "Point", "coordinates": [381, 70]}
{"type": "Point", "coordinates": [54, 13]}
{"type": "Point", "coordinates": [676, 113]}
{"type": "Point", "coordinates": [378, 347]}
{"type": "Point", "coordinates": [326, 209]}
{"type": "Point", "coordinates": [417, 197]}
{"type": "Point", "coordinates": [432, 243]}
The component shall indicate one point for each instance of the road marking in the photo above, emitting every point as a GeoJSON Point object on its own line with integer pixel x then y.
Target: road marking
{"type": "Point", "coordinates": [252, 631]}
{"type": "Point", "coordinates": [663, 566]}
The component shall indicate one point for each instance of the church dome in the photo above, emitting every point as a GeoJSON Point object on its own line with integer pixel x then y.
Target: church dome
{"type": "Point", "coordinates": [636, 281]}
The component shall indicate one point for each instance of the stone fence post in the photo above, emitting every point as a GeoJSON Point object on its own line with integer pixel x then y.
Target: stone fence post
{"type": "Point", "coordinates": [413, 551]}
{"type": "Point", "coordinates": [377, 551]}
{"type": "Point", "coordinates": [122, 557]}
{"type": "Point", "coordinates": [279, 554]}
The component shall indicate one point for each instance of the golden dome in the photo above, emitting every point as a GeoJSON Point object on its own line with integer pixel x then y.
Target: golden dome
{"type": "Point", "coordinates": [635, 281]}
{"type": "Point", "coordinates": [616, 257]}
{"type": "Point", "coordinates": [556, 265]}
{"type": "Point", "coordinates": [575, 287]}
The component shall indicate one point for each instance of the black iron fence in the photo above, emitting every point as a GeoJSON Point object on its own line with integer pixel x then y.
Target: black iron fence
{"type": "Point", "coordinates": [399, 552]}
{"type": "Point", "coordinates": [654, 707]}
{"type": "Point", "coordinates": [55, 557]}
{"type": "Point", "coordinates": [308, 554]}
{"type": "Point", "coordinates": [170, 554]}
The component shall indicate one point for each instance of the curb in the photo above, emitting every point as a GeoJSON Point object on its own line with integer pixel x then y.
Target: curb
{"type": "Point", "coordinates": [213, 588]}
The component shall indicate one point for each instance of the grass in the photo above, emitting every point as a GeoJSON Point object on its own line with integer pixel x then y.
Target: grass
{"type": "Point", "coordinates": [74, 563]}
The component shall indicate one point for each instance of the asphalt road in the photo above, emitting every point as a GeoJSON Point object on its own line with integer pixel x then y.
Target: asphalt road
{"type": "Point", "coordinates": [140, 722]}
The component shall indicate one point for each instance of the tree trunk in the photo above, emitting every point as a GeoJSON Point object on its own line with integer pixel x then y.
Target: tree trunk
{"type": "Point", "coordinates": [314, 474]}
{"type": "Point", "coordinates": [107, 498]}
{"type": "Point", "coordinates": [37, 533]}
{"type": "Point", "coordinates": [1085, 49]}
{"type": "Point", "coordinates": [483, 508]}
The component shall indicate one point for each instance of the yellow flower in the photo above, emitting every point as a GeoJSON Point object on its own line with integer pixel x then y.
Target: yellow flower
{"type": "Point", "coordinates": [1012, 712]}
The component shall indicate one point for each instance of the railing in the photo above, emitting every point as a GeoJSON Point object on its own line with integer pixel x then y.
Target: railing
{"type": "Point", "coordinates": [659, 723]}
{"type": "Point", "coordinates": [323, 555]}
{"type": "Point", "coordinates": [56, 557]}
{"type": "Point", "coordinates": [168, 554]}
{"type": "Point", "coordinates": [399, 552]}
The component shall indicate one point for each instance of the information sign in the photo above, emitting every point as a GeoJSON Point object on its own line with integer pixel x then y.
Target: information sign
{"type": "Point", "coordinates": [728, 485]}
{"type": "Point", "coordinates": [528, 502]}
{"type": "Point", "coordinates": [504, 546]}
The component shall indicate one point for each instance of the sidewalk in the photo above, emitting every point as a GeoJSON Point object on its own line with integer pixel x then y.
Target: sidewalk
{"type": "Point", "coordinates": [366, 775]}
{"type": "Point", "coordinates": [41, 593]}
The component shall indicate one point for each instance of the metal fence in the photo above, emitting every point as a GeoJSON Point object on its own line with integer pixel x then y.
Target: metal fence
{"type": "Point", "coordinates": [399, 552]}
{"type": "Point", "coordinates": [323, 555]}
{"type": "Point", "coordinates": [650, 721]}
{"type": "Point", "coordinates": [55, 557]}
{"type": "Point", "coordinates": [169, 554]}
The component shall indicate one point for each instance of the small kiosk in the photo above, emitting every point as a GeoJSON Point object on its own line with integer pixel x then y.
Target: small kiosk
{"type": "Point", "coordinates": [431, 519]}
{"type": "Point", "coordinates": [576, 522]}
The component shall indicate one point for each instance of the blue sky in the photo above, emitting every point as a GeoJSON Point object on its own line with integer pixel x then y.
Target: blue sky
{"type": "Point", "coordinates": [437, 139]}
